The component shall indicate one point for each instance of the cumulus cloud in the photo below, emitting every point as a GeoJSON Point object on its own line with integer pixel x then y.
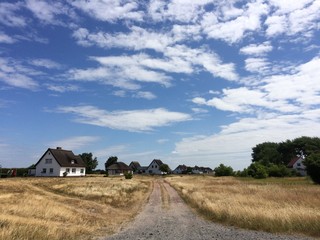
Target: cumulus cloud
{"type": "Point", "coordinates": [110, 10]}
{"type": "Point", "coordinates": [131, 120]}
{"type": "Point", "coordinates": [257, 49]}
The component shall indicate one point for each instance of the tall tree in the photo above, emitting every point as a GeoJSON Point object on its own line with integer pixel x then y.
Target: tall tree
{"type": "Point", "coordinates": [111, 160]}
{"type": "Point", "coordinates": [312, 162]}
{"type": "Point", "coordinates": [91, 163]}
{"type": "Point", "coordinates": [266, 153]}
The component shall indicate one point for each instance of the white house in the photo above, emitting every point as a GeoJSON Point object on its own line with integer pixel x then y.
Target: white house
{"type": "Point", "coordinates": [57, 162]}
{"type": "Point", "coordinates": [154, 167]}
{"type": "Point", "coordinates": [180, 169]}
{"type": "Point", "coordinates": [297, 164]}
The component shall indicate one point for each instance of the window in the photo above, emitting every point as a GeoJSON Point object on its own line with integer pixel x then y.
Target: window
{"type": "Point", "coordinates": [48, 161]}
{"type": "Point", "coordinates": [44, 170]}
{"type": "Point", "coordinates": [155, 166]}
{"type": "Point", "coordinates": [73, 170]}
{"type": "Point", "coordinates": [81, 170]}
{"type": "Point", "coordinates": [299, 164]}
{"type": "Point", "coordinates": [51, 170]}
{"type": "Point", "coordinates": [67, 170]}
{"type": "Point", "coordinates": [72, 161]}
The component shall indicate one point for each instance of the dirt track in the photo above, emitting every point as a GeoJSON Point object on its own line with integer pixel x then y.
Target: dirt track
{"type": "Point", "coordinates": [166, 216]}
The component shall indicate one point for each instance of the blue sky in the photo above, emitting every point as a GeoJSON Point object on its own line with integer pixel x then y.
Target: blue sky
{"type": "Point", "coordinates": [188, 82]}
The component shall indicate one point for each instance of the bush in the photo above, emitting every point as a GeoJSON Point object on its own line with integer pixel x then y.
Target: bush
{"type": "Point", "coordinates": [128, 175]}
{"type": "Point", "coordinates": [257, 170]}
{"type": "Point", "coordinates": [312, 163]}
{"type": "Point", "coordinates": [223, 170]}
{"type": "Point", "coordinates": [278, 171]}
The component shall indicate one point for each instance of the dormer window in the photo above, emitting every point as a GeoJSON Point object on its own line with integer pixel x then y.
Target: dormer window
{"type": "Point", "coordinates": [72, 161]}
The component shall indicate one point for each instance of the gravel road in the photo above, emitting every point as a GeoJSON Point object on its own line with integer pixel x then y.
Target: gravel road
{"type": "Point", "coordinates": [166, 216]}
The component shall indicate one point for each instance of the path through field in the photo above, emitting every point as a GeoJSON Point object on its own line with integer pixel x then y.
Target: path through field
{"type": "Point", "coordinates": [166, 216]}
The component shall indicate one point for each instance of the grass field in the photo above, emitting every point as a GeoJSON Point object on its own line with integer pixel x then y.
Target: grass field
{"type": "Point", "coordinates": [68, 208]}
{"type": "Point", "coordinates": [274, 205]}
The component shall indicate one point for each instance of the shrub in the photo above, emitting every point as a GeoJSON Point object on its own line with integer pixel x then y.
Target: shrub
{"type": "Point", "coordinates": [257, 170]}
{"type": "Point", "coordinates": [312, 163]}
{"type": "Point", "coordinates": [128, 175]}
{"type": "Point", "coordinates": [223, 170]}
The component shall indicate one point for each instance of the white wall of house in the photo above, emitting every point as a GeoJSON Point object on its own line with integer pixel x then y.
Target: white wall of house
{"type": "Point", "coordinates": [48, 166]}
{"type": "Point", "coordinates": [298, 165]}
{"type": "Point", "coordinates": [154, 168]}
{"type": "Point", "coordinates": [73, 171]}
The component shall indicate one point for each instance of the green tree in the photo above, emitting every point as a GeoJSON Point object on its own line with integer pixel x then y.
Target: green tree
{"type": "Point", "coordinates": [312, 163]}
{"type": "Point", "coordinates": [111, 160]}
{"type": "Point", "coordinates": [223, 170]}
{"type": "Point", "coordinates": [91, 163]}
{"type": "Point", "coordinates": [266, 153]}
{"type": "Point", "coordinates": [278, 171]}
{"type": "Point", "coordinates": [257, 170]}
{"type": "Point", "coordinates": [164, 168]}
{"type": "Point", "coordinates": [306, 145]}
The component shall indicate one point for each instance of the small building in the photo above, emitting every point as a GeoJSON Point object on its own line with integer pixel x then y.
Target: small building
{"type": "Point", "coordinates": [58, 162]}
{"type": "Point", "coordinates": [154, 167]}
{"type": "Point", "coordinates": [119, 168]}
{"type": "Point", "coordinates": [181, 169]}
{"type": "Point", "coordinates": [297, 164]}
{"type": "Point", "coordinates": [137, 168]}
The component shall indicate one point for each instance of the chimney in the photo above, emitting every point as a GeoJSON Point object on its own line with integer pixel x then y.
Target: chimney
{"type": "Point", "coordinates": [59, 148]}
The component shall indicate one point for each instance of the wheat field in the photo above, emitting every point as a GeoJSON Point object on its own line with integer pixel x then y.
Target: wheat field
{"type": "Point", "coordinates": [69, 208]}
{"type": "Point", "coordinates": [274, 205]}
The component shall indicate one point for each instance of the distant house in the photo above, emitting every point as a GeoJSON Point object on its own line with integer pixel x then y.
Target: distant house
{"type": "Point", "coordinates": [119, 168]}
{"type": "Point", "coordinates": [181, 169]}
{"type": "Point", "coordinates": [297, 164]}
{"type": "Point", "coordinates": [58, 162]}
{"type": "Point", "coordinates": [154, 167]}
{"type": "Point", "coordinates": [135, 166]}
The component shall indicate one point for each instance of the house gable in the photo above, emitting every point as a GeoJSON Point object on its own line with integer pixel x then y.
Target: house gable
{"type": "Point", "coordinates": [154, 167]}
{"type": "Point", "coordinates": [56, 162]}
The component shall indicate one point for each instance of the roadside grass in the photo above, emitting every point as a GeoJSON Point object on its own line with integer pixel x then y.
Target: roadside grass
{"type": "Point", "coordinates": [289, 205]}
{"type": "Point", "coordinates": [68, 208]}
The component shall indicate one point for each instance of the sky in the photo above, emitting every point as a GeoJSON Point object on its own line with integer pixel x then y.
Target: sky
{"type": "Point", "coordinates": [188, 82]}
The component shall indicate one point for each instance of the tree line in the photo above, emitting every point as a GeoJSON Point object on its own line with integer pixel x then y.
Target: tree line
{"type": "Point", "coordinates": [271, 159]}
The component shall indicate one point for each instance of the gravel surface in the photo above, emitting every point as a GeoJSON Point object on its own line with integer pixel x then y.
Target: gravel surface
{"type": "Point", "coordinates": [166, 216]}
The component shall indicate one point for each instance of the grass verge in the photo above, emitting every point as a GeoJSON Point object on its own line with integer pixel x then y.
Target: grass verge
{"type": "Point", "coordinates": [68, 208]}
{"type": "Point", "coordinates": [273, 205]}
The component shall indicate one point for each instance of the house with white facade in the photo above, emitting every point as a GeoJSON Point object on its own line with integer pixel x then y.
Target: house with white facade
{"type": "Point", "coordinates": [58, 162]}
{"type": "Point", "coordinates": [154, 167]}
{"type": "Point", "coordinates": [297, 164]}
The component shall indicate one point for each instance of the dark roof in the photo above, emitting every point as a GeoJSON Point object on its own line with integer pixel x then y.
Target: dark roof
{"type": "Point", "coordinates": [182, 167]}
{"type": "Point", "coordinates": [293, 161]}
{"type": "Point", "coordinates": [157, 161]}
{"type": "Point", "coordinates": [65, 158]}
{"type": "Point", "coordinates": [135, 165]}
{"type": "Point", "coordinates": [119, 166]}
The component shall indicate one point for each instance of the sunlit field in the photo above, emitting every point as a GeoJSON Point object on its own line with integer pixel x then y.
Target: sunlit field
{"type": "Point", "coordinates": [274, 205]}
{"type": "Point", "coordinates": [69, 208]}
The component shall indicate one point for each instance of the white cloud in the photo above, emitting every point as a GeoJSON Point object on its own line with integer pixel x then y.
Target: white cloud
{"type": "Point", "coordinates": [257, 65]}
{"type": "Point", "coordinates": [234, 30]}
{"type": "Point", "coordinates": [4, 38]}
{"type": "Point", "coordinates": [257, 49]}
{"type": "Point", "coordinates": [110, 10]}
{"type": "Point", "coordinates": [63, 88]}
{"type": "Point", "coordinates": [8, 15]}
{"type": "Point", "coordinates": [298, 17]}
{"type": "Point", "coordinates": [48, 12]}
{"type": "Point", "coordinates": [185, 11]}
{"type": "Point", "coordinates": [74, 143]}
{"type": "Point", "coordinates": [132, 120]}
{"type": "Point", "coordinates": [16, 75]}
{"type": "Point", "coordinates": [145, 95]}
{"type": "Point", "coordinates": [46, 63]}
{"type": "Point", "coordinates": [234, 143]}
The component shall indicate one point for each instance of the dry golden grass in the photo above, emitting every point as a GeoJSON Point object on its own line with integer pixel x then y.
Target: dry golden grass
{"type": "Point", "coordinates": [287, 205]}
{"type": "Point", "coordinates": [68, 208]}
